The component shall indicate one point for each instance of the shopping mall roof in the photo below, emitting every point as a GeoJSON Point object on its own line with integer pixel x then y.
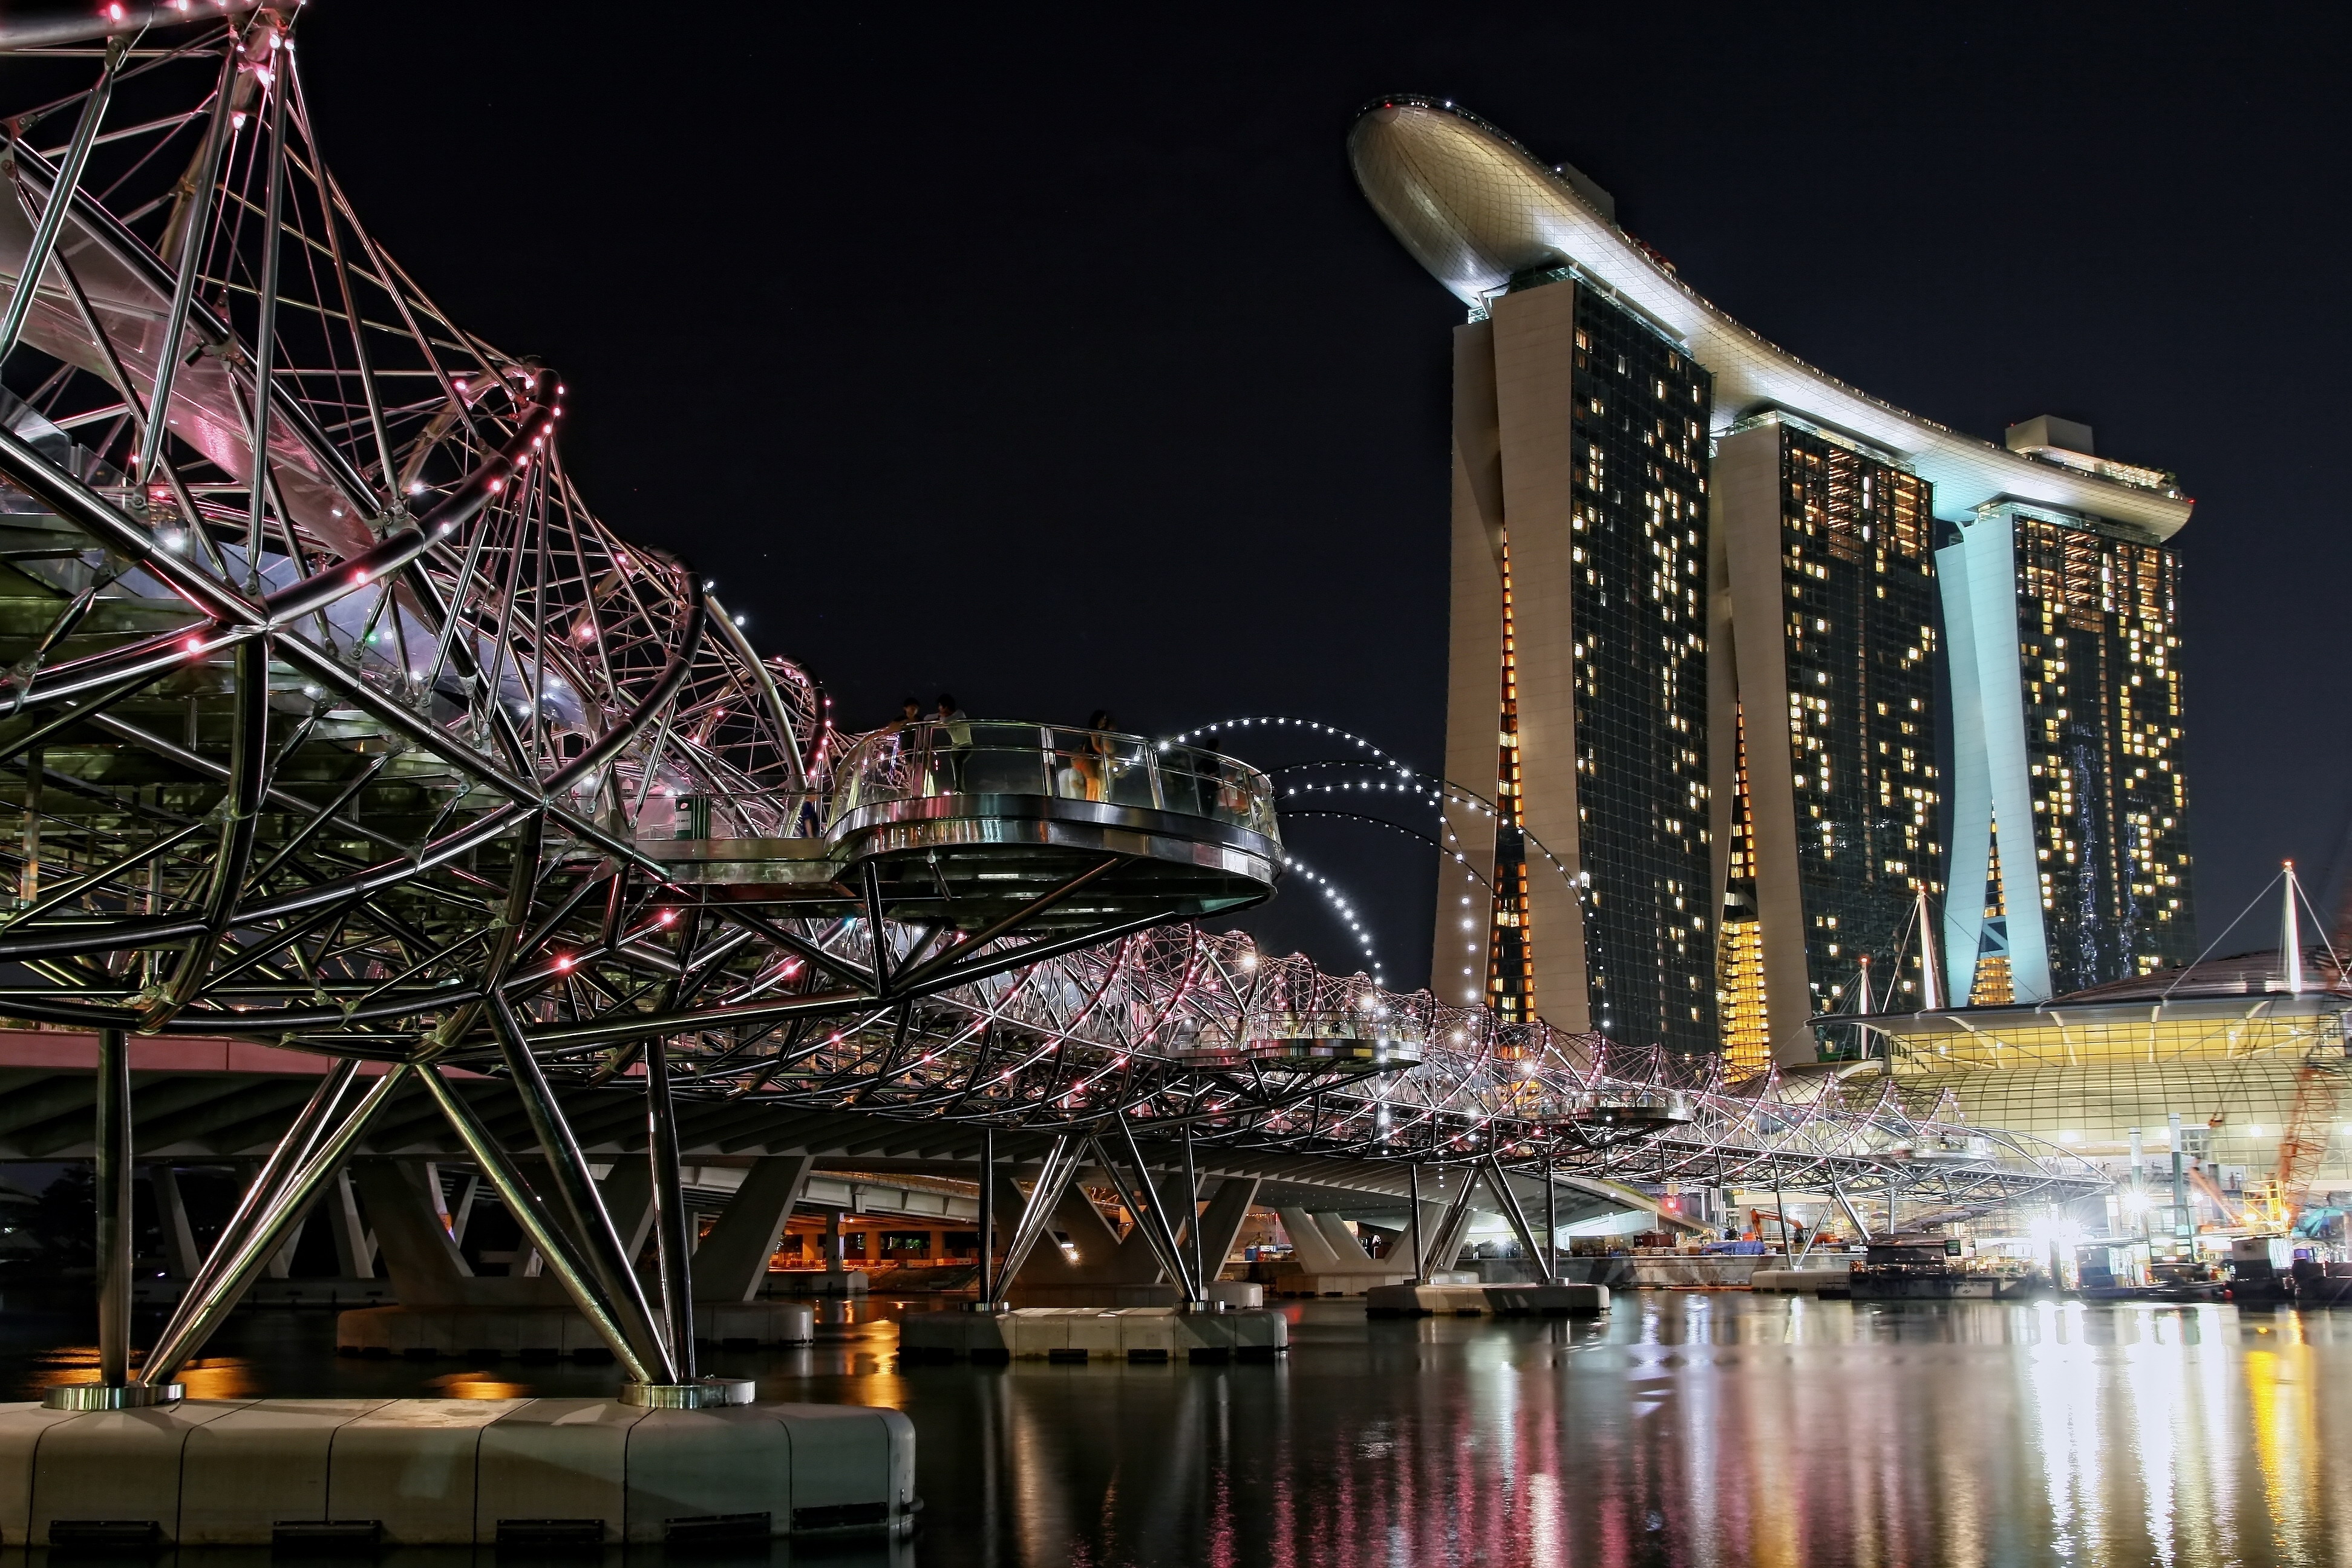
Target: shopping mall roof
{"type": "Point", "coordinates": [2249, 985]}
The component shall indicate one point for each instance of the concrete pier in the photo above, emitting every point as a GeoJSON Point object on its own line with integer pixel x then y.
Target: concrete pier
{"type": "Point", "coordinates": [1831, 1277]}
{"type": "Point", "coordinates": [536, 1333]}
{"type": "Point", "coordinates": [1477, 1301]}
{"type": "Point", "coordinates": [1145, 1334]}
{"type": "Point", "coordinates": [360, 1473]}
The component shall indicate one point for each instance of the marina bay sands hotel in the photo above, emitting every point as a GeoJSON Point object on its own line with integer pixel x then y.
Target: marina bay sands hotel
{"type": "Point", "coordinates": [1701, 596]}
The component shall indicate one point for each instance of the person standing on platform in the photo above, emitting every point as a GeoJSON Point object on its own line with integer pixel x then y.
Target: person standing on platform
{"type": "Point", "coordinates": [910, 743]}
{"type": "Point", "coordinates": [1101, 755]}
{"type": "Point", "coordinates": [950, 742]}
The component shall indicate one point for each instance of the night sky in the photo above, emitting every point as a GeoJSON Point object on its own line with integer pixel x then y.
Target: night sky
{"type": "Point", "coordinates": [1060, 363]}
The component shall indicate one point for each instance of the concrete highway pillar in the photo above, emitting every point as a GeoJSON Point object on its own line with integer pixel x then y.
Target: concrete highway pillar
{"type": "Point", "coordinates": [628, 1194]}
{"type": "Point", "coordinates": [731, 1264]}
{"type": "Point", "coordinates": [1343, 1241]}
{"type": "Point", "coordinates": [354, 1246]}
{"type": "Point", "coordinates": [1309, 1248]}
{"type": "Point", "coordinates": [1221, 1222]}
{"type": "Point", "coordinates": [181, 1257]}
{"type": "Point", "coordinates": [419, 1256]}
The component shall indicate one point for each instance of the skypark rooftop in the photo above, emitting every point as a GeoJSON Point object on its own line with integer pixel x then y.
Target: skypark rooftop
{"type": "Point", "coordinates": [1477, 209]}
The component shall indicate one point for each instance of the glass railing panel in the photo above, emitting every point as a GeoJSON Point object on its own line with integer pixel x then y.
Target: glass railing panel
{"type": "Point", "coordinates": [750, 814]}
{"type": "Point", "coordinates": [1126, 779]}
{"type": "Point", "coordinates": [1000, 770]}
{"type": "Point", "coordinates": [997, 757]}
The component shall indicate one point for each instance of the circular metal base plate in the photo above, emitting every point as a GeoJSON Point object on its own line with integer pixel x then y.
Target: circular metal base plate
{"type": "Point", "coordinates": [707, 1395]}
{"type": "Point", "coordinates": [111, 1395]}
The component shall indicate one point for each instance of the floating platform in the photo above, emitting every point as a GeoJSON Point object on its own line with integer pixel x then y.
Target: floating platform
{"type": "Point", "coordinates": [1144, 1334]}
{"type": "Point", "coordinates": [1864, 1285]}
{"type": "Point", "coordinates": [1108, 1298]}
{"type": "Point", "coordinates": [1557, 1301]}
{"type": "Point", "coordinates": [360, 1473]}
{"type": "Point", "coordinates": [550, 1334]}
{"type": "Point", "coordinates": [1349, 1282]}
{"type": "Point", "coordinates": [1834, 1283]}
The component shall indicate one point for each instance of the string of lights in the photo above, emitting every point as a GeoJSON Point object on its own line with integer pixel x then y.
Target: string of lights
{"type": "Point", "coordinates": [1348, 914]}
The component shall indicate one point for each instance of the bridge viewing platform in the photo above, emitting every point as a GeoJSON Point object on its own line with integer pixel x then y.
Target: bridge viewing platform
{"type": "Point", "coordinates": [962, 825]}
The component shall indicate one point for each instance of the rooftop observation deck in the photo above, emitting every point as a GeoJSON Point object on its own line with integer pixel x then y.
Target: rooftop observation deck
{"type": "Point", "coordinates": [960, 824]}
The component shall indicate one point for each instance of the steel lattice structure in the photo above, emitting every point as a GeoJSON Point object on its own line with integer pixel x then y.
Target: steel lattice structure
{"type": "Point", "coordinates": [384, 747]}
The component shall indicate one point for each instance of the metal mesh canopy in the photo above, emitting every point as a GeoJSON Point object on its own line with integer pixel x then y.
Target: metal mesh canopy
{"type": "Point", "coordinates": [2239, 1048]}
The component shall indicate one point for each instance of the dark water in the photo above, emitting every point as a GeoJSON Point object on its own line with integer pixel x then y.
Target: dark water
{"type": "Point", "coordinates": [1720, 1429]}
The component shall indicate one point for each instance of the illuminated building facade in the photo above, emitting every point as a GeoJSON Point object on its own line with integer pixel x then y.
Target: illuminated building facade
{"type": "Point", "coordinates": [1580, 528]}
{"type": "Point", "coordinates": [1825, 635]}
{"type": "Point", "coordinates": [1825, 602]}
{"type": "Point", "coordinates": [2069, 814]}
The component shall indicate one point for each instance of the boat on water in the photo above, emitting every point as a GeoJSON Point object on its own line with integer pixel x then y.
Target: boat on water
{"type": "Point", "coordinates": [2113, 1269]}
{"type": "Point", "coordinates": [1928, 1268]}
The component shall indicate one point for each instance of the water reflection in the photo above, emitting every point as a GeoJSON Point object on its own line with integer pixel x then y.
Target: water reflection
{"type": "Point", "coordinates": [211, 1377]}
{"type": "Point", "coordinates": [1683, 1429]}
{"type": "Point", "coordinates": [478, 1385]}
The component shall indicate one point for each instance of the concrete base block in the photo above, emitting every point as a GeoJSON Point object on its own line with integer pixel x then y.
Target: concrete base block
{"type": "Point", "coordinates": [291, 1294]}
{"type": "Point", "coordinates": [1236, 1293]}
{"type": "Point", "coordinates": [745, 1323]}
{"type": "Point", "coordinates": [1561, 1301]}
{"type": "Point", "coordinates": [1701, 1271]}
{"type": "Point", "coordinates": [548, 1331]}
{"type": "Point", "coordinates": [452, 1472]}
{"type": "Point", "coordinates": [1086, 1334]}
{"type": "Point", "coordinates": [1353, 1282]}
{"type": "Point", "coordinates": [1095, 1298]}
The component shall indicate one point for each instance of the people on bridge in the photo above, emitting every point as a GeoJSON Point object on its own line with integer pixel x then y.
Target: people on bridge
{"type": "Point", "coordinates": [909, 741]}
{"type": "Point", "coordinates": [1099, 757]}
{"type": "Point", "coordinates": [950, 742]}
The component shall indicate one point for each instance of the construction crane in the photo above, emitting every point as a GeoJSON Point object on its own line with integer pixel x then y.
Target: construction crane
{"type": "Point", "coordinates": [2318, 1089]}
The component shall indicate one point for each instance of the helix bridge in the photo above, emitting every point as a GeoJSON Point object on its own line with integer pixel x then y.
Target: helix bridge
{"type": "Point", "coordinates": [336, 720]}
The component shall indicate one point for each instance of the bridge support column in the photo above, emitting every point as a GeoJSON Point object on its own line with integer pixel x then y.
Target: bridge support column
{"type": "Point", "coordinates": [1071, 1212]}
{"type": "Point", "coordinates": [113, 1184]}
{"type": "Point", "coordinates": [181, 1259]}
{"type": "Point", "coordinates": [627, 1190]}
{"type": "Point", "coordinates": [1309, 1248]}
{"type": "Point", "coordinates": [313, 1149]}
{"type": "Point", "coordinates": [420, 1257]}
{"type": "Point", "coordinates": [1052, 1181]}
{"type": "Point", "coordinates": [1517, 1214]}
{"type": "Point", "coordinates": [731, 1264]}
{"type": "Point", "coordinates": [1344, 1242]}
{"type": "Point", "coordinates": [1451, 1226]}
{"type": "Point", "coordinates": [355, 1244]}
{"type": "Point", "coordinates": [1221, 1222]}
{"type": "Point", "coordinates": [1152, 1210]}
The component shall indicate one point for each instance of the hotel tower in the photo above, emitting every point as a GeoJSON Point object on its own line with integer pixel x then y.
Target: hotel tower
{"type": "Point", "coordinates": [1676, 551]}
